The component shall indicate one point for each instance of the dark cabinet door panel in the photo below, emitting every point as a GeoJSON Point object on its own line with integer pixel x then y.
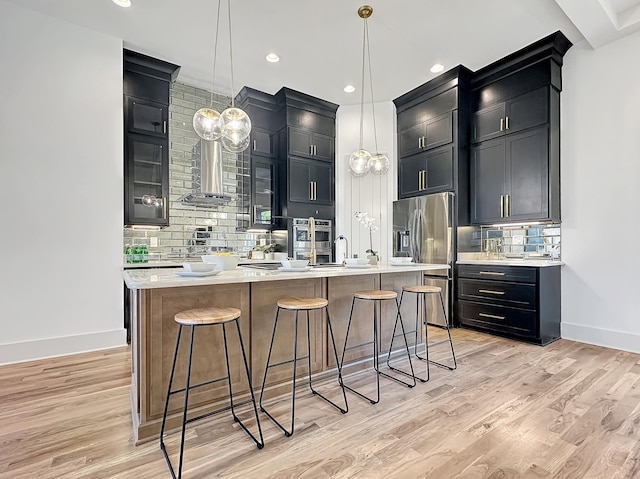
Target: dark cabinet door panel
{"type": "Point", "coordinates": [498, 292]}
{"type": "Point", "coordinates": [147, 117]}
{"type": "Point", "coordinates": [527, 111]}
{"type": "Point", "coordinates": [262, 142]}
{"type": "Point", "coordinates": [410, 140]}
{"type": "Point", "coordinates": [528, 175]}
{"type": "Point", "coordinates": [488, 123]}
{"type": "Point", "coordinates": [410, 174]}
{"type": "Point", "coordinates": [321, 176]}
{"type": "Point", "coordinates": [299, 142]}
{"type": "Point", "coordinates": [439, 131]}
{"type": "Point", "coordinates": [439, 174]}
{"type": "Point", "coordinates": [497, 272]}
{"type": "Point", "coordinates": [487, 181]}
{"type": "Point", "coordinates": [323, 147]}
{"type": "Point", "coordinates": [500, 319]}
{"type": "Point", "coordinates": [299, 180]}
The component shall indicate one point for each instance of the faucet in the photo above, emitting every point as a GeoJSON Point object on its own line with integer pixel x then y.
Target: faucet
{"type": "Point", "coordinates": [312, 238]}
{"type": "Point", "coordinates": [346, 249]}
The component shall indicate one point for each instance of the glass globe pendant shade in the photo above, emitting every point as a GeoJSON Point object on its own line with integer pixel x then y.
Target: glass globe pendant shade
{"type": "Point", "coordinates": [236, 125]}
{"type": "Point", "coordinates": [206, 123]}
{"type": "Point", "coordinates": [235, 147]}
{"type": "Point", "coordinates": [359, 162]}
{"type": "Point", "coordinates": [379, 164]}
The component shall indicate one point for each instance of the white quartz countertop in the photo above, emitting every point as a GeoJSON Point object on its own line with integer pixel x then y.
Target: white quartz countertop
{"type": "Point", "coordinates": [536, 263]}
{"type": "Point", "coordinates": [177, 262]}
{"type": "Point", "coordinates": [149, 278]}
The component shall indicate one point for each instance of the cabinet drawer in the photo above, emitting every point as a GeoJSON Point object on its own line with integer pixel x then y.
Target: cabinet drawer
{"type": "Point", "coordinates": [501, 273]}
{"type": "Point", "coordinates": [498, 318]}
{"type": "Point", "coordinates": [517, 295]}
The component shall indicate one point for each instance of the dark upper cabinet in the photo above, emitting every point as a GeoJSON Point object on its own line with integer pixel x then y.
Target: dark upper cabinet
{"type": "Point", "coordinates": [433, 138]}
{"type": "Point", "coordinates": [510, 178]}
{"type": "Point", "coordinates": [426, 173]}
{"type": "Point", "coordinates": [516, 114]}
{"type": "Point", "coordinates": [263, 142]}
{"type": "Point", "coordinates": [146, 83]}
{"type": "Point", "coordinates": [263, 191]}
{"type": "Point", "coordinates": [306, 155]}
{"type": "Point", "coordinates": [515, 128]}
{"type": "Point", "coordinates": [311, 181]}
{"type": "Point", "coordinates": [429, 134]}
{"type": "Point", "coordinates": [311, 144]}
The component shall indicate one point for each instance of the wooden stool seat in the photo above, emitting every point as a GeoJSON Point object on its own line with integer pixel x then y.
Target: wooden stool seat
{"type": "Point", "coordinates": [422, 288]}
{"type": "Point", "coordinates": [376, 294]}
{"type": "Point", "coordinates": [196, 317]}
{"type": "Point", "coordinates": [302, 303]}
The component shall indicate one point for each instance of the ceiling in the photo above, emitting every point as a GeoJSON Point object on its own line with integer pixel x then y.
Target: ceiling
{"type": "Point", "coordinates": [320, 43]}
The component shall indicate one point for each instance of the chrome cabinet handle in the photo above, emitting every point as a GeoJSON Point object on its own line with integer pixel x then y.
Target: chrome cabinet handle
{"type": "Point", "coordinates": [424, 179]}
{"type": "Point", "coordinates": [501, 124]}
{"type": "Point", "coordinates": [489, 291]}
{"type": "Point", "coordinates": [492, 316]}
{"type": "Point", "coordinates": [420, 142]}
{"type": "Point", "coordinates": [507, 206]}
{"type": "Point", "coordinates": [164, 126]}
{"type": "Point", "coordinates": [164, 207]}
{"type": "Point", "coordinates": [315, 191]}
{"type": "Point", "coordinates": [311, 190]}
{"type": "Point", "coordinates": [501, 206]}
{"type": "Point", "coordinates": [491, 273]}
{"type": "Point", "coordinates": [506, 123]}
{"type": "Point", "coordinates": [255, 145]}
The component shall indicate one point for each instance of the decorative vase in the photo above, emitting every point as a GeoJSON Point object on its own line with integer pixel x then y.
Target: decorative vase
{"type": "Point", "coordinates": [373, 259]}
{"type": "Point", "coordinates": [269, 256]}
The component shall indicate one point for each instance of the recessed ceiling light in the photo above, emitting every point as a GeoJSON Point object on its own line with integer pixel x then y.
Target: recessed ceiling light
{"type": "Point", "coordinates": [349, 89]}
{"type": "Point", "coordinates": [272, 58]}
{"type": "Point", "coordinates": [437, 68]}
{"type": "Point", "coordinates": [123, 3]}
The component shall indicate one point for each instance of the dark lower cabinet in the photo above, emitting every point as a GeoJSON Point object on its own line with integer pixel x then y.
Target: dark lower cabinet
{"type": "Point", "coordinates": [519, 302]}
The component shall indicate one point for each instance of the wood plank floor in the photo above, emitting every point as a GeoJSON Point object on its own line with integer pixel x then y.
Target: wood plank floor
{"type": "Point", "coordinates": [511, 410]}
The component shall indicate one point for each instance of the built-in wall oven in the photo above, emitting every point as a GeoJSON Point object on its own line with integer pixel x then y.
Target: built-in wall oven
{"type": "Point", "coordinates": [302, 241]}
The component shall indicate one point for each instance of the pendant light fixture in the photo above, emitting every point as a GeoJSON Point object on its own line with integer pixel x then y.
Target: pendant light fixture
{"type": "Point", "coordinates": [361, 161]}
{"type": "Point", "coordinates": [233, 126]}
{"type": "Point", "coordinates": [206, 121]}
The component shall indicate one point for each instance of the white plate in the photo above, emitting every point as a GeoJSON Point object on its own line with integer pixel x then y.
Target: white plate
{"type": "Point", "coordinates": [198, 274]}
{"type": "Point", "coordinates": [357, 266]}
{"type": "Point", "coordinates": [407, 263]}
{"type": "Point", "coordinates": [294, 270]}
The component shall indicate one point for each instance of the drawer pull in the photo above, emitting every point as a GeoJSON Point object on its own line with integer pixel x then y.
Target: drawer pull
{"type": "Point", "coordinates": [490, 291]}
{"type": "Point", "coordinates": [492, 316]}
{"type": "Point", "coordinates": [493, 273]}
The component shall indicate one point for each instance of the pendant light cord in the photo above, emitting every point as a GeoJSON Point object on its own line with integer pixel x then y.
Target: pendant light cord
{"type": "Point", "coordinates": [364, 39]}
{"type": "Point", "coordinates": [215, 49]}
{"type": "Point", "coordinates": [373, 110]}
{"type": "Point", "coordinates": [230, 53]}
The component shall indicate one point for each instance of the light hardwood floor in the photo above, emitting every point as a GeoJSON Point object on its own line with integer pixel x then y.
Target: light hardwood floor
{"type": "Point", "coordinates": [568, 410]}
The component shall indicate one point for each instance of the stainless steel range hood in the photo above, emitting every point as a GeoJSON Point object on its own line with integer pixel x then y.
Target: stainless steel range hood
{"type": "Point", "coordinates": [209, 187]}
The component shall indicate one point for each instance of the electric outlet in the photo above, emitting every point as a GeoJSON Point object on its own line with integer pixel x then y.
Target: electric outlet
{"type": "Point", "coordinates": [153, 242]}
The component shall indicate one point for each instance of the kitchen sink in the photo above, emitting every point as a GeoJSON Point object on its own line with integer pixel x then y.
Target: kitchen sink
{"type": "Point", "coordinates": [328, 265]}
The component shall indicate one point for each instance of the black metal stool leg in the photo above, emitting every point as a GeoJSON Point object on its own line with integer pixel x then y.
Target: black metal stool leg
{"type": "Point", "coordinates": [446, 326]}
{"type": "Point", "coordinates": [415, 347]}
{"type": "Point", "coordinates": [266, 371]}
{"type": "Point", "coordinates": [166, 404]}
{"type": "Point", "coordinates": [375, 354]}
{"type": "Point", "coordinates": [404, 337]}
{"type": "Point", "coordinates": [333, 342]}
{"type": "Point", "coordinates": [260, 442]}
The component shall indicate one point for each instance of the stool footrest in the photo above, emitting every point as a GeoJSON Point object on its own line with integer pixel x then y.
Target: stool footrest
{"type": "Point", "coordinates": [199, 385]}
{"type": "Point", "coordinates": [222, 409]}
{"type": "Point", "coordinates": [286, 362]}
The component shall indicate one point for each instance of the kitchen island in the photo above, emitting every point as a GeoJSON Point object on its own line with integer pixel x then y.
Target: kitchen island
{"type": "Point", "coordinates": [158, 294]}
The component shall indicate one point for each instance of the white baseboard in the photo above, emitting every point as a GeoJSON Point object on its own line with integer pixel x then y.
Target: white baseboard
{"type": "Point", "coordinates": [62, 346]}
{"type": "Point", "coordinates": [601, 337]}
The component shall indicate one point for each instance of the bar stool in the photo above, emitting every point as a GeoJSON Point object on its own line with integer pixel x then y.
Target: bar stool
{"type": "Point", "coordinates": [422, 291]}
{"type": "Point", "coordinates": [297, 305]}
{"type": "Point", "coordinates": [199, 318]}
{"type": "Point", "coordinates": [377, 296]}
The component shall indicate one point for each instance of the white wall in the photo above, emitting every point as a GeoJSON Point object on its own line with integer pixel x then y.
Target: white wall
{"type": "Point", "coordinates": [61, 187]}
{"type": "Point", "coordinates": [601, 194]}
{"type": "Point", "coordinates": [372, 194]}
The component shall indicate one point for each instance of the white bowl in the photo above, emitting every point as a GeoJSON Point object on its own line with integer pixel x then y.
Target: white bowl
{"type": "Point", "coordinates": [401, 259]}
{"type": "Point", "coordinates": [295, 263]}
{"type": "Point", "coordinates": [356, 261]}
{"type": "Point", "coordinates": [224, 263]}
{"type": "Point", "coordinates": [198, 267]}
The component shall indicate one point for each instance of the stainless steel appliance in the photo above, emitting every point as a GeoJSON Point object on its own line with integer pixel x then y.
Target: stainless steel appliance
{"type": "Point", "coordinates": [302, 240]}
{"type": "Point", "coordinates": [423, 229]}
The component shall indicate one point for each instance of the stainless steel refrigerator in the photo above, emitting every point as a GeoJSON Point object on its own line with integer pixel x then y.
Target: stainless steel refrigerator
{"type": "Point", "coordinates": [423, 229]}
